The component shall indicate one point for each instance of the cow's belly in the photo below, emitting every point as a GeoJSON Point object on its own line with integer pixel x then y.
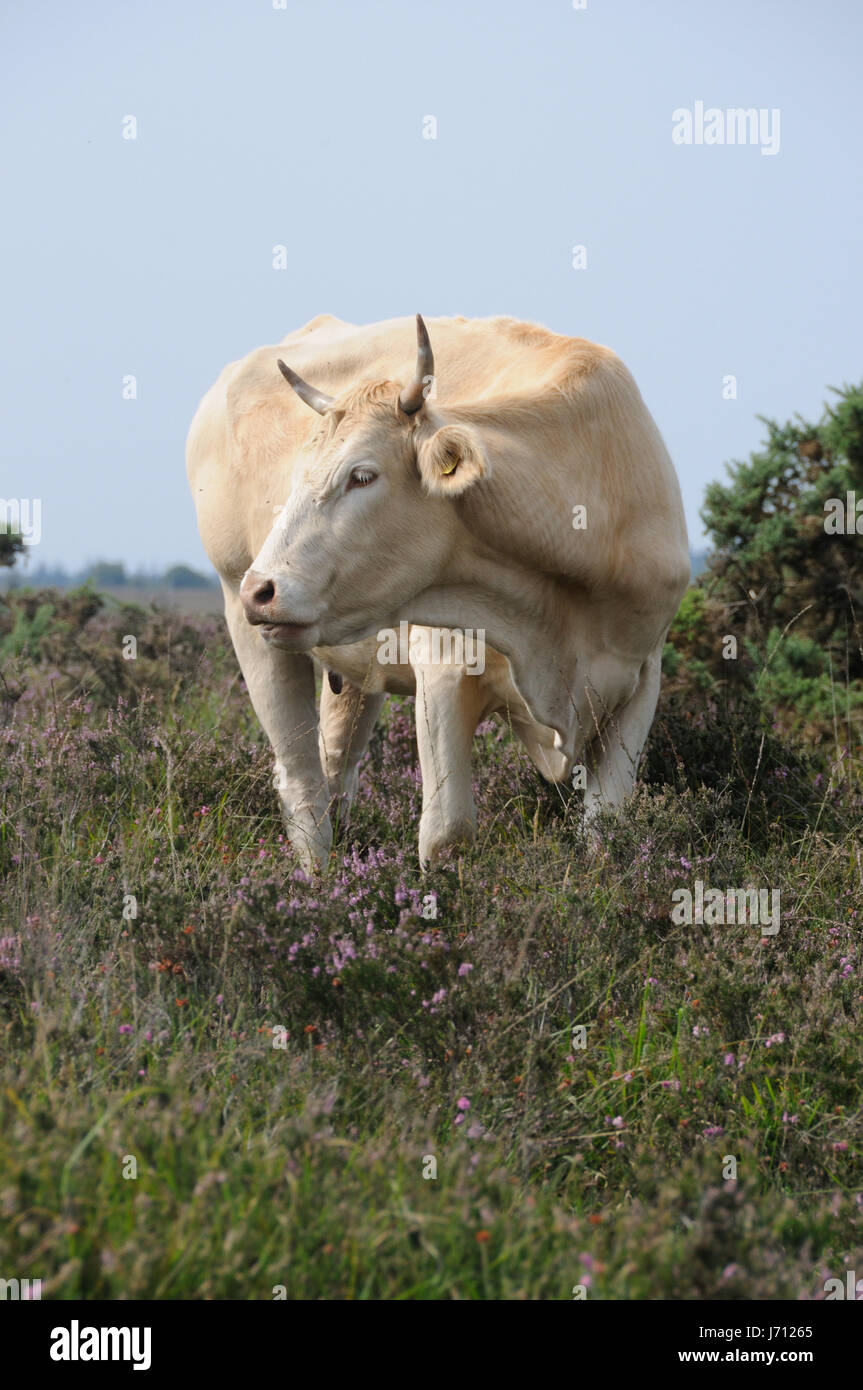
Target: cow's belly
{"type": "Point", "coordinates": [359, 663]}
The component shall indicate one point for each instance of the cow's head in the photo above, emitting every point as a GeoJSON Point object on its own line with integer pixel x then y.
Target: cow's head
{"type": "Point", "coordinates": [369, 521]}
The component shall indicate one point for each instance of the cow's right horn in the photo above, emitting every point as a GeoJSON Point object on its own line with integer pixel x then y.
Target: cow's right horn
{"type": "Point", "coordinates": [316, 399]}
{"type": "Point", "coordinates": [413, 396]}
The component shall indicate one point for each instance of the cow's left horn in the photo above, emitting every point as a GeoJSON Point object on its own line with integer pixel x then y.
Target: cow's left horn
{"type": "Point", "coordinates": [316, 399]}
{"type": "Point", "coordinates": [413, 396]}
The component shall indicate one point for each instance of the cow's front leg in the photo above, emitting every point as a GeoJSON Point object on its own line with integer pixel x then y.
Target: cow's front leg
{"type": "Point", "coordinates": [281, 687]}
{"type": "Point", "coordinates": [449, 704]}
{"type": "Point", "coordinates": [347, 722]}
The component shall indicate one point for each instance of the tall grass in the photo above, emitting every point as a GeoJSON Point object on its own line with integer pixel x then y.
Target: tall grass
{"type": "Point", "coordinates": [255, 1080]}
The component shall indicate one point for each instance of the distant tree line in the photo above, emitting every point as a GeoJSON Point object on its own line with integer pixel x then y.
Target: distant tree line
{"type": "Point", "coordinates": [103, 574]}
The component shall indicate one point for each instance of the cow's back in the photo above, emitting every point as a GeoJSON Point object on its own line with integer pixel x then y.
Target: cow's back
{"type": "Point", "coordinates": [249, 427]}
{"type": "Point", "coordinates": [570, 424]}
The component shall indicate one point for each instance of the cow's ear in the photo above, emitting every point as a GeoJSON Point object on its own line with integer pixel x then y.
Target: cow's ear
{"type": "Point", "coordinates": [451, 460]}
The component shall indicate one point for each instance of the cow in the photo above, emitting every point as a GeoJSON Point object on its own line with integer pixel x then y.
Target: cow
{"type": "Point", "coordinates": [514, 486]}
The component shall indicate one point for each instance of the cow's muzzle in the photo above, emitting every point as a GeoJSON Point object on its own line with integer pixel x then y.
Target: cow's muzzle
{"type": "Point", "coordinates": [259, 596]}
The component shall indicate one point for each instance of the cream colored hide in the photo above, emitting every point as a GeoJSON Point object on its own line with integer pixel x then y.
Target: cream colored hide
{"type": "Point", "coordinates": [527, 495]}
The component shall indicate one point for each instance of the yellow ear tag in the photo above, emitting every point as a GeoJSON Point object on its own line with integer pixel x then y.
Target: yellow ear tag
{"type": "Point", "coordinates": [453, 466]}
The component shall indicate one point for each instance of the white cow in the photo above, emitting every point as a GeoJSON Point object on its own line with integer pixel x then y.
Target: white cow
{"type": "Point", "coordinates": [522, 492]}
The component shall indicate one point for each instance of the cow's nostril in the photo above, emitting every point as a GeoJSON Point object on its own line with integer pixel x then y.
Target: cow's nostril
{"type": "Point", "coordinates": [257, 594]}
{"type": "Point", "coordinates": [265, 593]}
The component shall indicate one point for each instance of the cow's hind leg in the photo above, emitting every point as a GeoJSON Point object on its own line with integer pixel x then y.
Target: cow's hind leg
{"type": "Point", "coordinates": [616, 750]}
{"type": "Point", "coordinates": [347, 721]}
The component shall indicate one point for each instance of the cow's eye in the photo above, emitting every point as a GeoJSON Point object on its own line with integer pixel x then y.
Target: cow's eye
{"type": "Point", "coordinates": [361, 477]}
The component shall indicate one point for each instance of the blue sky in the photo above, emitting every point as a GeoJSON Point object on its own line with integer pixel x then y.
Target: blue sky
{"type": "Point", "coordinates": [302, 126]}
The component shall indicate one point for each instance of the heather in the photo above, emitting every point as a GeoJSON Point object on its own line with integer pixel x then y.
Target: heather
{"type": "Point", "coordinates": [284, 1059]}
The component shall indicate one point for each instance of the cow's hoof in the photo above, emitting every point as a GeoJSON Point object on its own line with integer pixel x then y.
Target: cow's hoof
{"type": "Point", "coordinates": [439, 844]}
{"type": "Point", "coordinates": [311, 843]}
{"type": "Point", "coordinates": [340, 815]}
{"type": "Point", "coordinates": [595, 837]}
{"type": "Point", "coordinates": [343, 790]}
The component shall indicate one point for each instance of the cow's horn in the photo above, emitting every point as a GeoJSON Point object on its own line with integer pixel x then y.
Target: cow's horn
{"type": "Point", "coordinates": [316, 399]}
{"type": "Point", "coordinates": [412, 396]}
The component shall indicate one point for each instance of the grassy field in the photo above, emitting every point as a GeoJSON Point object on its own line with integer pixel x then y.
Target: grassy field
{"type": "Point", "coordinates": [222, 1078]}
{"type": "Point", "coordinates": [206, 602]}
